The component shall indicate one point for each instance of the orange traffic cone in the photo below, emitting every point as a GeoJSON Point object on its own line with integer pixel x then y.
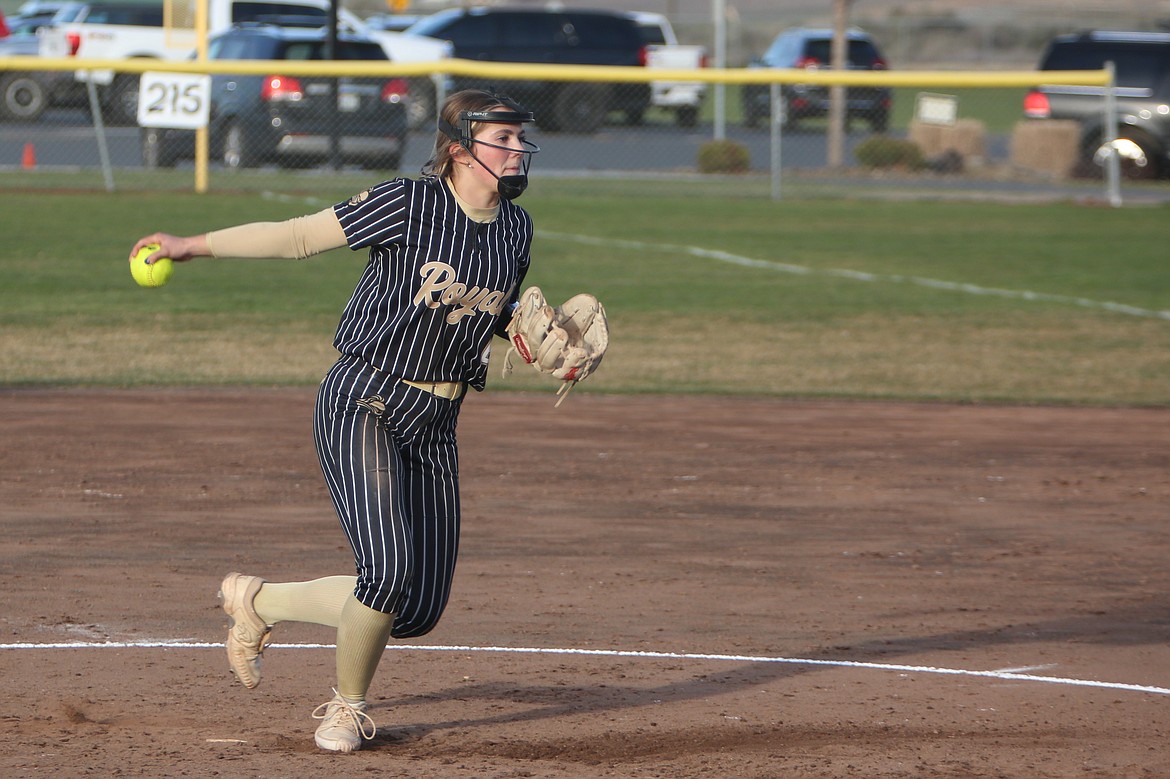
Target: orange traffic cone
{"type": "Point", "coordinates": [29, 160]}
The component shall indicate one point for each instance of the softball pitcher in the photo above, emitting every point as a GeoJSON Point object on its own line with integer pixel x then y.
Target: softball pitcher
{"type": "Point", "coordinates": [448, 253]}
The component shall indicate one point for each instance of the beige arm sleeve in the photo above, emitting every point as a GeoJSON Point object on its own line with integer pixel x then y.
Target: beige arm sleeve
{"type": "Point", "coordinates": [293, 239]}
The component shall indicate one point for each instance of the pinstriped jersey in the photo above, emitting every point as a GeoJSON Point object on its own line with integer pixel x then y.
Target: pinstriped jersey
{"type": "Point", "coordinates": [436, 284]}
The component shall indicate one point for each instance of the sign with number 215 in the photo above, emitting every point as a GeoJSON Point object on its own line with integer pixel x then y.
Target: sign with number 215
{"type": "Point", "coordinates": [178, 100]}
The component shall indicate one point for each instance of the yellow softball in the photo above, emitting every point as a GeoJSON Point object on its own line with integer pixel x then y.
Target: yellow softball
{"type": "Point", "coordinates": [155, 274]}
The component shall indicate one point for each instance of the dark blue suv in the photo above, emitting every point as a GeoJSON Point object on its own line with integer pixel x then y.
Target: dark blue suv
{"type": "Point", "coordinates": [292, 121]}
{"type": "Point", "coordinates": [811, 48]}
{"type": "Point", "coordinates": [553, 35]}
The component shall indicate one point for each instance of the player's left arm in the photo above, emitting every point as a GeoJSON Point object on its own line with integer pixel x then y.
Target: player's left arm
{"type": "Point", "coordinates": [567, 342]}
{"type": "Point", "coordinates": [509, 309]}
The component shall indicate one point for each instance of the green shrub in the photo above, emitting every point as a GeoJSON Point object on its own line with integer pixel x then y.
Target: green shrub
{"type": "Point", "coordinates": [881, 151]}
{"type": "Point", "coordinates": [724, 157]}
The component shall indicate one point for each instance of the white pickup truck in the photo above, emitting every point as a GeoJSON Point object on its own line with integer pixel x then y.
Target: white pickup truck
{"type": "Point", "coordinates": [664, 51]}
{"type": "Point", "coordinates": [123, 30]}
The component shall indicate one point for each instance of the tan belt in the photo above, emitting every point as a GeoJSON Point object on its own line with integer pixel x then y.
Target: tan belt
{"type": "Point", "coordinates": [448, 390]}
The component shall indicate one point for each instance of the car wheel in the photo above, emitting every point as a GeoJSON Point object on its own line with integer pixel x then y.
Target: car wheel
{"type": "Point", "coordinates": [154, 149]}
{"type": "Point", "coordinates": [1139, 155]}
{"type": "Point", "coordinates": [421, 111]}
{"type": "Point", "coordinates": [580, 108]}
{"type": "Point", "coordinates": [687, 116]}
{"type": "Point", "coordinates": [236, 151]}
{"type": "Point", "coordinates": [879, 122]}
{"type": "Point", "coordinates": [788, 117]}
{"type": "Point", "coordinates": [756, 103]}
{"type": "Point", "coordinates": [22, 97]}
{"type": "Point", "coordinates": [122, 102]}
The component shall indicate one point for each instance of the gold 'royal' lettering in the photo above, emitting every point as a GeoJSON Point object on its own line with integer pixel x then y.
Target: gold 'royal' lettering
{"type": "Point", "coordinates": [493, 302]}
{"type": "Point", "coordinates": [453, 294]}
{"type": "Point", "coordinates": [468, 303]}
{"type": "Point", "coordinates": [437, 276]}
{"type": "Point", "coordinates": [439, 287]}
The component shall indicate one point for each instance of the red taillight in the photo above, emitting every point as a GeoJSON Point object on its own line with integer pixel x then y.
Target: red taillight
{"type": "Point", "coordinates": [395, 90]}
{"type": "Point", "coordinates": [281, 88]}
{"type": "Point", "coordinates": [73, 39]}
{"type": "Point", "coordinates": [1036, 105]}
{"type": "Point", "coordinates": [879, 64]}
{"type": "Point", "coordinates": [808, 62]}
{"type": "Point", "coordinates": [643, 56]}
{"type": "Point", "coordinates": [704, 61]}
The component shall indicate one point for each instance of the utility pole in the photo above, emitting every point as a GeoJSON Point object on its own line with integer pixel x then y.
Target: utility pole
{"type": "Point", "coordinates": [839, 60]}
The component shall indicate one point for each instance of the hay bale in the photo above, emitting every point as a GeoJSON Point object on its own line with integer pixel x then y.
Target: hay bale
{"type": "Point", "coordinates": [969, 138]}
{"type": "Point", "coordinates": [927, 136]}
{"type": "Point", "coordinates": [1051, 147]}
{"type": "Point", "coordinates": [966, 138]}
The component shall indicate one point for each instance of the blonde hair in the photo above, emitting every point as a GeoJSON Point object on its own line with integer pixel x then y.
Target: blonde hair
{"type": "Point", "coordinates": [441, 160]}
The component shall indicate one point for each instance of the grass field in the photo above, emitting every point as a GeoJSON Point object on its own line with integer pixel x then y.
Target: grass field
{"type": "Point", "coordinates": [998, 108]}
{"type": "Point", "coordinates": [980, 302]}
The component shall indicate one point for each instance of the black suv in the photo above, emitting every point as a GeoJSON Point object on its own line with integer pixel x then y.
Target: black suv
{"type": "Point", "coordinates": [563, 37]}
{"type": "Point", "coordinates": [291, 120]}
{"type": "Point", "coordinates": [811, 48]}
{"type": "Point", "coordinates": [1142, 62]}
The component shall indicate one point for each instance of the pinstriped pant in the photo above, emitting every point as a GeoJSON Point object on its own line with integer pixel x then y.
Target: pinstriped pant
{"type": "Point", "coordinates": [389, 457]}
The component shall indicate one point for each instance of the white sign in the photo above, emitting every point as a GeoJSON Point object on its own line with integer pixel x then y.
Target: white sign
{"type": "Point", "coordinates": [936, 109]}
{"type": "Point", "coordinates": [176, 100]}
{"type": "Point", "coordinates": [105, 77]}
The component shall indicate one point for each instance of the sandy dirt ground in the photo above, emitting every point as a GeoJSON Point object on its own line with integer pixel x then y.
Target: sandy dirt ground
{"type": "Point", "coordinates": [648, 587]}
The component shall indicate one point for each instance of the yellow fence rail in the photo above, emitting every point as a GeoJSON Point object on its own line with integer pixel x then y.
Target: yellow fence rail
{"type": "Point", "coordinates": [505, 70]}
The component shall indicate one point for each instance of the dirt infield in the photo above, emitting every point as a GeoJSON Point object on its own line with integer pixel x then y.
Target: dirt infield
{"type": "Point", "coordinates": [816, 589]}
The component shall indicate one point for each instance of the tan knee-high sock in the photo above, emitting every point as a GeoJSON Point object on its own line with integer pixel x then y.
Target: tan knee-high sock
{"type": "Point", "coordinates": [361, 640]}
{"type": "Point", "coordinates": [319, 601]}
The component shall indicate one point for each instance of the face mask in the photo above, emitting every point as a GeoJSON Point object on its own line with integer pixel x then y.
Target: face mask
{"type": "Point", "coordinates": [511, 187]}
{"type": "Point", "coordinates": [508, 187]}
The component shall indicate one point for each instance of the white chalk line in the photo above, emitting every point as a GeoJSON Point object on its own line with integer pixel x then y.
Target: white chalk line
{"type": "Point", "coordinates": [1009, 675]}
{"type": "Point", "coordinates": [783, 267]}
{"type": "Point", "coordinates": [844, 273]}
{"type": "Point", "coordinates": [1014, 674]}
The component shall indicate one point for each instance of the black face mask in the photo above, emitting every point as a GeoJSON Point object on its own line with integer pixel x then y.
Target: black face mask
{"type": "Point", "coordinates": [511, 187]}
{"type": "Point", "coordinates": [508, 187]}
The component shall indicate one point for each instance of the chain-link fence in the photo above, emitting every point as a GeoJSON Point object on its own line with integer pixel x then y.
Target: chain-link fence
{"type": "Point", "coordinates": [992, 34]}
{"type": "Point", "coordinates": [773, 128]}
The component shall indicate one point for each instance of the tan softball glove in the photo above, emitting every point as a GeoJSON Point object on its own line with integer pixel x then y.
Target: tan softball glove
{"type": "Point", "coordinates": [566, 342]}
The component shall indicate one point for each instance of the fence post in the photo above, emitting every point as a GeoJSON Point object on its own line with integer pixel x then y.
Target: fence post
{"type": "Point", "coordinates": [1112, 161]}
{"type": "Point", "coordinates": [203, 134]}
{"type": "Point", "coordinates": [777, 122]}
{"type": "Point", "coordinates": [95, 110]}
